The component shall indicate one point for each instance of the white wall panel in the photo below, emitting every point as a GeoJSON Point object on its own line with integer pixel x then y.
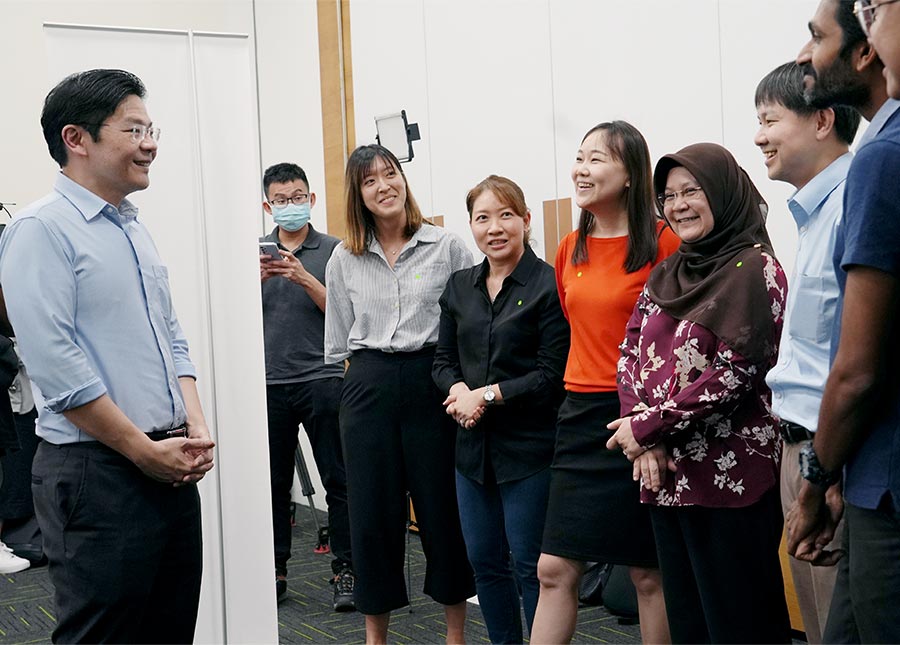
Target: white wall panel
{"type": "Point", "coordinates": [757, 37]}
{"type": "Point", "coordinates": [654, 64]}
{"type": "Point", "coordinates": [389, 74]}
{"type": "Point", "coordinates": [491, 110]}
{"type": "Point", "coordinates": [290, 97]}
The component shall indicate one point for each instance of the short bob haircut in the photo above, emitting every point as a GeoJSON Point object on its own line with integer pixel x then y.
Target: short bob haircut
{"type": "Point", "coordinates": [627, 145]}
{"type": "Point", "coordinates": [85, 99]}
{"type": "Point", "coordinates": [784, 86]}
{"type": "Point", "coordinates": [507, 192]}
{"type": "Point", "coordinates": [360, 221]}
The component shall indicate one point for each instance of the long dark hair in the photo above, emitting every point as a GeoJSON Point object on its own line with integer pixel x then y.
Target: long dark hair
{"type": "Point", "coordinates": [627, 145]}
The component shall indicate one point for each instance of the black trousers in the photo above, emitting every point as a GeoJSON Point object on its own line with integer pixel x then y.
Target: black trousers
{"type": "Point", "coordinates": [315, 404]}
{"type": "Point", "coordinates": [397, 438]}
{"type": "Point", "coordinates": [721, 573]}
{"type": "Point", "coordinates": [125, 552]}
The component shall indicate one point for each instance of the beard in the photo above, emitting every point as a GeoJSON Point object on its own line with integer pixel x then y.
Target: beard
{"type": "Point", "coordinates": [837, 84]}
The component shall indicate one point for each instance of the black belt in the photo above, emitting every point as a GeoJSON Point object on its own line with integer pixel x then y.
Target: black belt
{"type": "Point", "coordinates": [159, 435]}
{"type": "Point", "coordinates": [794, 433]}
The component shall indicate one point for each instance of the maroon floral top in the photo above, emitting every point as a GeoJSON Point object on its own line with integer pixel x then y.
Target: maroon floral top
{"type": "Point", "coordinates": [705, 402]}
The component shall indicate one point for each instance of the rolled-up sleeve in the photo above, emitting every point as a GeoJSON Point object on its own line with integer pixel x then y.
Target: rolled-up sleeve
{"type": "Point", "coordinates": [38, 281]}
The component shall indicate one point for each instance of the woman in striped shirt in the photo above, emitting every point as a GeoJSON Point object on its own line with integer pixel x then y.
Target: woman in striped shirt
{"type": "Point", "coordinates": [382, 314]}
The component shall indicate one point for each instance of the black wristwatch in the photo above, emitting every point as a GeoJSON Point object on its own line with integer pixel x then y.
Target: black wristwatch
{"type": "Point", "coordinates": [811, 470]}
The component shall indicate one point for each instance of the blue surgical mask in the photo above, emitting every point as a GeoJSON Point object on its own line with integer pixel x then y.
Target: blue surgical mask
{"type": "Point", "coordinates": [291, 217]}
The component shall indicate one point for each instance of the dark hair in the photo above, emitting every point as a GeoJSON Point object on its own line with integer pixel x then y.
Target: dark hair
{"type": "Point", "coordinates": [507, 192]}
{"type": "Point", "coordinates": [360, 222]}
{"type": "Point", "coordinates": [627, 145]}
{"type": "Point", "coordinates": [784, 86]}
{"type": "Point", "coordinates": [851, 30]}
{"type": "Point", "coordinates": [283, 173]}
{"type": "Point", "coordinates": [85, 99]}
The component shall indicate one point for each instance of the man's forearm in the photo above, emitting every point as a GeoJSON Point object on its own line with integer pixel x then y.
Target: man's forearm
{"type": "Point", "coordinates": [195, 418]}
{"type": "Point", "coordinates": [103, 420]}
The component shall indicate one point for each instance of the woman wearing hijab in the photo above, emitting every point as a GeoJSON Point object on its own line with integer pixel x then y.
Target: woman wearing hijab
{"type": "Point", "coordinates": [694, 402]}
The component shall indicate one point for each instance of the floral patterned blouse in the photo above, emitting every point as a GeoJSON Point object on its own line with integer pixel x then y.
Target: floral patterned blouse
{"type": "Point", "coordinates": [707, 404]}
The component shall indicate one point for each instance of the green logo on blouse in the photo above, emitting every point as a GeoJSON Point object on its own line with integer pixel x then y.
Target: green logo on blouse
{"type": "Point", "coordinates": [519, 303]}
{"type": "Point", "coordinates": [418, 276]}
{"type": "Point", "coordinates": [740, 264]}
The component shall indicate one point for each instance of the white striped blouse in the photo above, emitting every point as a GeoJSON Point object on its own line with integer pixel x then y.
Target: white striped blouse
{"type": "Point", "coordinates": [372, 306]}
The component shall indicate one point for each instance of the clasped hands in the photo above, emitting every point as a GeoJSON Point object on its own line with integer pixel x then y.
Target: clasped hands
{"type": "Point", "coordinates": [464, 405]}
{"type": "Point", "coordinates": [648, 464]}
{"type": "Point", "coordinates": [811, 523]}
{"type": "Point", "coordinates": [180, 460]}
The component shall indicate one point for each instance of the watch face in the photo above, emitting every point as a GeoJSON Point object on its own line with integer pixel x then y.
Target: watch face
{"type": "Point", "coordinates": [489, 395]}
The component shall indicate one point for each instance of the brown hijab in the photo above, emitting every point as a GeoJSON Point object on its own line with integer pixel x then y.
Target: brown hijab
{"type": "Point", "coordinates": [718, 281]}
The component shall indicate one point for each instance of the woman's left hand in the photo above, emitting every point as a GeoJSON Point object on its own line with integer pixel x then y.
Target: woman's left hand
{"type": "Point", "coordinates": [624, 439]}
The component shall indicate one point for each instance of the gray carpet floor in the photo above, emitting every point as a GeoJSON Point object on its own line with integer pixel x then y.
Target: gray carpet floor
{"type": "Point", "coordinates": [304, 614]}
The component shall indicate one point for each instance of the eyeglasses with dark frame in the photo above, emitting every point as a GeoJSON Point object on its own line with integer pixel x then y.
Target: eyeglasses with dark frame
{"type": "Point", "coordinates": [865, 11]}
{"type": "Point", "coordinates": [302, 198]}
{"type": "Point", "coordinates": [688, 194]}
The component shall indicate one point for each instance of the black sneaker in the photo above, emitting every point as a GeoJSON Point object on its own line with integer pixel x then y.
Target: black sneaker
{"type": "Point", "coordinates": [280, 586]}
{"type": "Point", "coordinates": [343, 590]}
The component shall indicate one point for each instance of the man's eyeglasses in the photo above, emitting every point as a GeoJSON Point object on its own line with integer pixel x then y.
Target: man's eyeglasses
{"type": "Point", "coordinates": [283, 201]}
{"type": "Point", "coordinates": [865, 12]}
{"type": "Point", "coordinates": [688, 194]}
{"type": "Point", "coordinates": [138, 132]}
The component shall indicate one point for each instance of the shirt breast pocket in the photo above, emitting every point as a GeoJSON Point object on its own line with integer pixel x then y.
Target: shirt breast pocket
{"type": "Point", "coordinates": [428, 284]}
{"type": "Point", "coordinates": [156, 284]}
{"type": "Point", "coordinates": [813, 311]}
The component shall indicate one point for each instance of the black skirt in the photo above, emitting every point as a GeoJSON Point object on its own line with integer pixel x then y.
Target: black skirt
{"type": "Point", "coordinates": [595, 512]}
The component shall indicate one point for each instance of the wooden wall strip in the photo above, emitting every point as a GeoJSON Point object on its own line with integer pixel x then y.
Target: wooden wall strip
{"type": "Point", "coordinates": [557, 224]}
{"type": "Point", "coordinates": [338, 131]}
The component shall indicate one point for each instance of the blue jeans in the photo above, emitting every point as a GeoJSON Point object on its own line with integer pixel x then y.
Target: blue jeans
{"type": "Point", "coordinates": [499, 520]}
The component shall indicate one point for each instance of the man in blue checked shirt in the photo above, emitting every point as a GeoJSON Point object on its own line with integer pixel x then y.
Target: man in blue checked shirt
{"type": "Point", "coordinates": [124, 437]}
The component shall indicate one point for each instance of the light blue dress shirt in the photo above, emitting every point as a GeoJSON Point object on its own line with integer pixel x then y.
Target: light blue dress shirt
{"type": "Point", "coordinates": [89, 299]}
{"type": "Point", "coordinates": [804, 356]}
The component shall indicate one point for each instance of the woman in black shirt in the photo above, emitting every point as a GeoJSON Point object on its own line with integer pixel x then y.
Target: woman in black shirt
{"type": "Point", "coordinates": [500, 357]}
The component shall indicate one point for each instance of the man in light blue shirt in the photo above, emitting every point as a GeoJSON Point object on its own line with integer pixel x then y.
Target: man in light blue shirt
{"type": "Point", "coordinates": [809, 149]}
{"type": "Point", "coordinates": [124, 437]}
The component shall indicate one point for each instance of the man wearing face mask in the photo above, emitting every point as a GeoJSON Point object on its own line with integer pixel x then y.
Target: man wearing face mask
{"type": "Point", "coordinates": [300, 387]}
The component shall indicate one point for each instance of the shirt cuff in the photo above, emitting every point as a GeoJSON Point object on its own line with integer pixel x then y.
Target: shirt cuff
{"type": "Point", "coordinates": [84, 394]}
{"type": "Point", "coordinates": [647, 431]}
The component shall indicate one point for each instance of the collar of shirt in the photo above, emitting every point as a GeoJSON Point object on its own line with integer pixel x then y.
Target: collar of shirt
{"type": "Point", "coordinates": [427, 234]}
{"type": "Point", "coordinates": [92, 206]}
{"type": "Point", "coordinates": [312, 241]}
{"type": "Point", "coordinates": [884, 113]}
{"type": "Point", "coordinates": [806, 201]}
{"type": "Point", "coordinates": [520, 274]}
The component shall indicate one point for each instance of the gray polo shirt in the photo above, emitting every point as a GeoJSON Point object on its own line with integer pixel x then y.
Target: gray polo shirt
{"type": "Point", "coordinates": [294, 327]}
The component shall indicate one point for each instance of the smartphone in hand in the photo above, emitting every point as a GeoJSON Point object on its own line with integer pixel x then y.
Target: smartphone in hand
{"type": "Point", "coordinates": [270, 249]}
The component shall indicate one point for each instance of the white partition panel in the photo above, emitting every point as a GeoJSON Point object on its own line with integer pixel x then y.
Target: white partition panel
{"type": "Point", "coordinates": [512, 85]}
{"type": "Point", "coordinates": [490, 111]}
{"type": "Point", "coordinates": [782, 40]}
{"type": "Point", "coordinates": [201, 93]}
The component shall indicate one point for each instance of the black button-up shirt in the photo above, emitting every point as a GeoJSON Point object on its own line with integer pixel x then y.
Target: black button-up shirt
{"type": "Point", "coordinates": [520, 341]}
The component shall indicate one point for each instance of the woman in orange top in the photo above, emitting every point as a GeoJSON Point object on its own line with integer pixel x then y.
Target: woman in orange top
{"type": "Point", "coordinates": [594, 513]}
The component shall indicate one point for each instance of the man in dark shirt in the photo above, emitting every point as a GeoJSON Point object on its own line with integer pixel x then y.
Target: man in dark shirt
{"type": "Point", "coordinates": [859, 419]}
{"type": "Point", "coordinates": [300, 387]}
